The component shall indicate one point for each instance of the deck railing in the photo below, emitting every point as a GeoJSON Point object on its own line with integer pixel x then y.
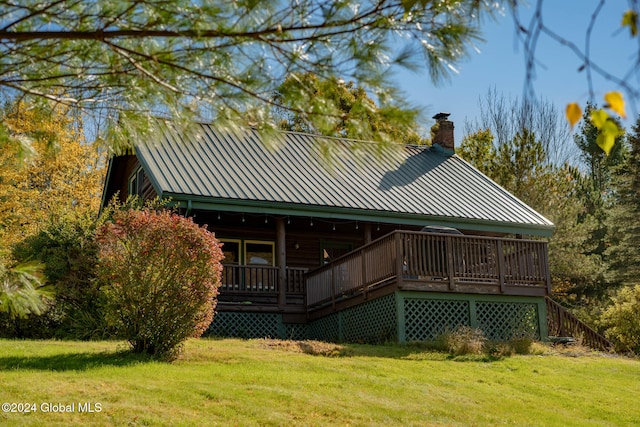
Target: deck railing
{"type": "Point", "coordinates": [364, 267]}
{"type": "Point", "coordinates": [430, 261]}
{"type": "Point", "coordinates": [562, 323]}
{"type": "Point", "coordinates": [475, 260]}
{"type": "Point", "coordinates": [260, 279]}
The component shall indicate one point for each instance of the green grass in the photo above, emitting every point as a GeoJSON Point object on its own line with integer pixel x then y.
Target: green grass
{"type": "Point", "coordinates": [260, 382]}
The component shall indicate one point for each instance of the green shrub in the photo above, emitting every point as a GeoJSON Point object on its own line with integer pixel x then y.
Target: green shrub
{"type": "Point", "coordinates": [68, 253]}
{"type": "Point", "coordinates": [159, 273]}
{"type": "Point", "coordinates": [622, 320]}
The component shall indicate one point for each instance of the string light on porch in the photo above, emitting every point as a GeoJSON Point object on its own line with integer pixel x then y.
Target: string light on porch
{"type": "Point", "coordinates": [265, 219]}
{"type": "Point", "coordinates": [334, 226]}
{"type": "Point", "coordinates": [218, 216]}
{"type": "Point", "coordinates": [242, 217]}
{"type": "Point", "coordinates": [356, 225]}
{"type": "Point", "coordinates": [311, 222]}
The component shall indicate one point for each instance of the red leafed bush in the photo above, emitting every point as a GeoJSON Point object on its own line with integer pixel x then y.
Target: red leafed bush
{"type": "Point", "coordinates": [160, 273]}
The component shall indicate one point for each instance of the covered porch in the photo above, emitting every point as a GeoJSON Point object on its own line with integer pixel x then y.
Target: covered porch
{"type": "Point", "coordinates": [399, 261]}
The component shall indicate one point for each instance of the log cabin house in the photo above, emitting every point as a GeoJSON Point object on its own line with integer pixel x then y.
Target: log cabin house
{"type": "Point", "coordinates": [325, 238]}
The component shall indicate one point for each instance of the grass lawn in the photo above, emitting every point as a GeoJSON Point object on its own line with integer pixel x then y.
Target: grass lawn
{"type": "Point", "coordinates": [263, 382]}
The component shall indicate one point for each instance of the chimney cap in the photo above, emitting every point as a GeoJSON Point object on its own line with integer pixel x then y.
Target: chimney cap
{"type": "Point", "coordinates": [441, 116]}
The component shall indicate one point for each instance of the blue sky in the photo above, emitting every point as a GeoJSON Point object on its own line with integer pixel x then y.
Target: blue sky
{"type": "Point", "coordinates": [501, 63]}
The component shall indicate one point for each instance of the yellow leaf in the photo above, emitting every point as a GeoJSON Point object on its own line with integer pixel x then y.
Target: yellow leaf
{"type": "Point", "coordinates": [599, 118]}
{"type": "Point", "coordinates": [615, 102]}
{"type": "Point", "coordinates": [573, 113]}
{"type": "Point", "coordinates": [630, 18]}
{"type": "Point", "coordinates": [607, 136]}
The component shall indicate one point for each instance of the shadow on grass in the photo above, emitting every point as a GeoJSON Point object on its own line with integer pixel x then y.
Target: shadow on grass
{"type": "Point", "coordinates": [72, 361]}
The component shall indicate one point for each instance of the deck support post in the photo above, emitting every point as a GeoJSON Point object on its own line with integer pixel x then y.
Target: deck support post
{"type": "Point", "coordinates": [366, 229]}
{"type": "Point", "coordinates": [281, 259]}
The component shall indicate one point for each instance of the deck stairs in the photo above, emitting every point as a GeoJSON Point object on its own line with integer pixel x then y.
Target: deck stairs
{"type": "Point", "coordinates": [565, 327]}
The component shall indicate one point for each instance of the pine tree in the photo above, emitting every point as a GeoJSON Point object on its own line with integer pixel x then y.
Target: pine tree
{"type": "Point", "coordinates": [624, 218]}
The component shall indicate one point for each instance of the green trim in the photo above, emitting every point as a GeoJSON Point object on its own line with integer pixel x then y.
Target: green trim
{"type": "Point", "coordinates": [474, 297]}
{"type": "Point", "coordinates": [473, 315]}
{"type": "Point", "coordinates": [542, 318]}
{"type": "Point", "coordinates": [331, 212]}
{"type": "Point", "coordinates": [400, 318]}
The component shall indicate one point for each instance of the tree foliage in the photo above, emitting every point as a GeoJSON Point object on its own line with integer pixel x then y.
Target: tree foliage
{"type": "Point", "coordinates": [52, 172]}
{"type": "Point", "coordinates": [223, 59]}
{"type": "Point", "coordinates": [542, 172]}
{"type": "Point", "coordinates": [623, 252]}
{"type": "Point", "coordinates": [20, 290]}
{"type": "Point", "coordinates": [357, 115]}
{"type": "Point", "coordinates": [160, 274]}
{"type": "Point", "coordinates": [533, 29]}
{"type": "Point", "coordinates": [621, 319]}
{"type": "Point", "coordinates": [66, 250]}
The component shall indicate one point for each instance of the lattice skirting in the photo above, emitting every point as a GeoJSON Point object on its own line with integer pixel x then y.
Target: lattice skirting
{"type": "Point", "coordinates": [255, 325]}
{"type": "Point", "coordinates": [500, 318]}
{"type": "Point", "coordinates": [425, 319]}
{"type": "Point", "coordinates": [372, 322]}
{"type": "Point", "coordinates": [404, 316]}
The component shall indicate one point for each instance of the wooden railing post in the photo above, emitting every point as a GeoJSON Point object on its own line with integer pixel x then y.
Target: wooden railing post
{"type": "Point", "coordinates": [333, 286]}
{"type": "Point", "coordinates": [399, 258]}
{"type": "Point", "coordinates": [501, 266]}
{"type": "Point", "coordinates": [363, 262]}
{"type": "Point", "coordinates": [450, 262]}
{"type": "Point", "coordinates": [281, 258]}
{"type": "Point", "coordinates": [545, 264]}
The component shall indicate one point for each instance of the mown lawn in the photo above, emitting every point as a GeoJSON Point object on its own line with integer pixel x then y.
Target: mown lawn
{"type": "Point", "coordinates": [261, 382]}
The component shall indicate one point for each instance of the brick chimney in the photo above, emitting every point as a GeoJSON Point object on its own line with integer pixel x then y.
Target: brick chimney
{"type": "Point", "coordinates": [444, 132]}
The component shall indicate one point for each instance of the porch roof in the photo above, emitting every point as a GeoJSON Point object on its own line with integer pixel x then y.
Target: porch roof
{"type": "Point", "coordinates": [291, 173]}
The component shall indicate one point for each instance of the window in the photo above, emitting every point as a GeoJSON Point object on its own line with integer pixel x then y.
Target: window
{"type": "Point", "coordinates": [248, 252]}
{"type": "Point", "coordinates": [231, 251]}
{"type": "Point", "coordinates": [135, 182]}
{"type": "Point", "coordinates": [259, 253]}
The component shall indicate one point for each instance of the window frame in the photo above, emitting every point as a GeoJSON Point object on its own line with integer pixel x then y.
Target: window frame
{"type": "Point", "coordinates": [136, 180]}
{"type": "Point", "coordinates": [261, 242]}
{"type": "Point", "coordinates": [239, 242]}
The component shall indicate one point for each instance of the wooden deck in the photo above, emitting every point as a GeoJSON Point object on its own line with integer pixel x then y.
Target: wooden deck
{"type": "Point", "coordinates": [401, 260]}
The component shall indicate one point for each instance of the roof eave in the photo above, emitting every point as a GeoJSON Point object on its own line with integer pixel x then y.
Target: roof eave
{"type": "Point", "coordinates": [332, 212]}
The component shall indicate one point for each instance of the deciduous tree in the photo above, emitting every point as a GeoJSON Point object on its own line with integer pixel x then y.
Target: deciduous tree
{"type": "Point", "coordinates": [60, 172]}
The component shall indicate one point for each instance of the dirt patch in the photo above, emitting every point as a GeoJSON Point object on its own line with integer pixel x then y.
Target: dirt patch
{"type": "Point", "coordinates": [315, 348]}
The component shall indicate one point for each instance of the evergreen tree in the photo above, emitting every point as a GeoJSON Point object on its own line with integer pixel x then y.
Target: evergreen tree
{"type": "Point", "coordinates": [624, 218]}
{"type": "Point", "coordinates": [355, 114]}
{"type": "Point", "coordinates": [224, 59]}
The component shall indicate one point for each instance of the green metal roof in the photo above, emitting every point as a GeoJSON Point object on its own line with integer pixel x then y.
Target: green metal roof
{"type": "Point", "coordinates": [291, 174]}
